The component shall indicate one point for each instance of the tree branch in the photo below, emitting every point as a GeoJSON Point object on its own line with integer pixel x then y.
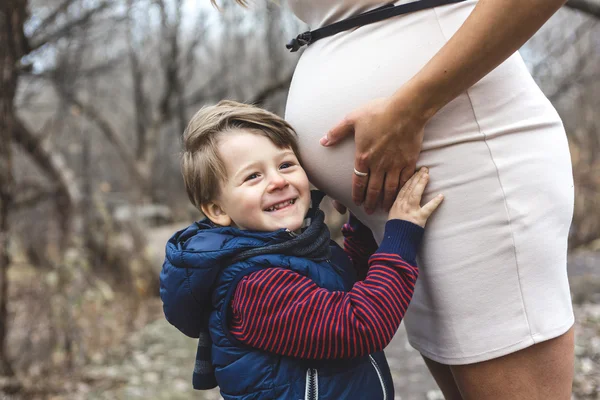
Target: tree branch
{"type": "Point", "coordinates": [568, 82]}
{"type": "Point", "coordinates": [66, 29]}
{"type": "Point", "coordinates": [98, 69]}
{"type": "Point", "coordinates": [54, 165]}
{"type": "Point", "coordinates": [564, 46]}
{"type": "Point", "coordinates": [169, 37]}
{"type": "Point", "coordinates": [109, 133]}
{"type": "Point", "coordinates": [49, 20]}
{"type": "Point", "coordinates": [30, 196]}
{"type": "Point", "coordinates": [139, 99]}
{"type": "Point", "coordinates": [271, 89]}
{"type": "Point", "coordinates": [207, 92]}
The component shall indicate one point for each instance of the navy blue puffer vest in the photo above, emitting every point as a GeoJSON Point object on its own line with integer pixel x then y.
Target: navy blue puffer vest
{"type": "Point", "coordinates": [197, 288]}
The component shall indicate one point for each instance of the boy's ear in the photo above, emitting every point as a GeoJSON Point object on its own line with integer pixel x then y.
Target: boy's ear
{"type": "Point", "coordinates": [216, 214]}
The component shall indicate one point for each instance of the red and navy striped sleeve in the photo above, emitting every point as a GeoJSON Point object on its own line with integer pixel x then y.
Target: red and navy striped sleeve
{"type": "Point", "coordinates": [280, 311]}
{"type": "Point", "coordinates": [359, 244]}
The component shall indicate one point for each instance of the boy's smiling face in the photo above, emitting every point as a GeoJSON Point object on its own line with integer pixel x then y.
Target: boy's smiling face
{"type": "Point", "coordinates": [266, 188]}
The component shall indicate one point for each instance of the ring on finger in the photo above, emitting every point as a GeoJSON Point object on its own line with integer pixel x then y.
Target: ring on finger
{"type": "Point", "coordinates": [358, 173]}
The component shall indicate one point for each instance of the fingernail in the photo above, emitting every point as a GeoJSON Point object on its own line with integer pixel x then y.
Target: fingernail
{"type": "Point", "coordinates": [324, 141]}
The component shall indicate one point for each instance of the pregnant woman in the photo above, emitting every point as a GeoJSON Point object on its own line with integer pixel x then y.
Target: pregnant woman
{"type": "Point", "coordinates": [444, 88]}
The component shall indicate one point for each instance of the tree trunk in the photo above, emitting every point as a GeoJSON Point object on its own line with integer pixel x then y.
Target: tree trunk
{"type": "Point", "coordinates": [68, 196]}
{"type": "Point", "coordinates": [9, 54]}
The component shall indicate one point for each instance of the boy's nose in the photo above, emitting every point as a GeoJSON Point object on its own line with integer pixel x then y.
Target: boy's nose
{"type": "Point", "coordinates": [277, 182]}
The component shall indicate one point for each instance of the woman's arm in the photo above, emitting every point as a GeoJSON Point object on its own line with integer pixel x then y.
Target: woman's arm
{"type": "Point", "coordinates": [389, 131]}
{"type": "Point", "coordinates": [494, 30]}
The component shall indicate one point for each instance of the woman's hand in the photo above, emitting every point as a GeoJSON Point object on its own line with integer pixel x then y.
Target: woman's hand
{"type": "Point", "coordinates": [388, 133]}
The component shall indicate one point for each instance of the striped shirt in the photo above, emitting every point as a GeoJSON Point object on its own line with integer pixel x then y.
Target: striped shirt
{"type": "Point", "coordinates": [280, 311]}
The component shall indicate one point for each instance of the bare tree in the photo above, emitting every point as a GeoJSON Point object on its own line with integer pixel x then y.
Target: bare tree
{"type": "Point", "coordinates": [150, 116]}
{"type": "Point", "coordinates": [15, 45]}
{"type": "Point", "coordinates": [12, 46]}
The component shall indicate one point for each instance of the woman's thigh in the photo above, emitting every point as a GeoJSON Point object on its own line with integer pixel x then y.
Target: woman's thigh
{"type": "Point", "coordinates": [541, 372]}
{"type": "Point", "coordinates": [444, 379]}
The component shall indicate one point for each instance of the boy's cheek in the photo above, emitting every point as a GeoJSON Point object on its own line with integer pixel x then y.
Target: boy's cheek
{"type": "Point", "coordinates": [249, 206]}
{"type": "Point", "coordinates": [305, 206]}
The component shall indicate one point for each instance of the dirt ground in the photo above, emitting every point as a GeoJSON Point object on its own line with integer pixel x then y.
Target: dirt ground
{"type": "Point", "coordinates": [159, 362]}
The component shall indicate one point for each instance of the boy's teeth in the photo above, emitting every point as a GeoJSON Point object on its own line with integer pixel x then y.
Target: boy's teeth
{"type": "Point", "coordinates": [280, 205]}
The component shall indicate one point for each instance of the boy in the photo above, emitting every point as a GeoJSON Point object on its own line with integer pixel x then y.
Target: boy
{"type": "Point", "coordinates": [286, 315]}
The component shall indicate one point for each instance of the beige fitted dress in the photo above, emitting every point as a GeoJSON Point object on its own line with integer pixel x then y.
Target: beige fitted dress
{"type": "Point", "coordinates": [493, 274]}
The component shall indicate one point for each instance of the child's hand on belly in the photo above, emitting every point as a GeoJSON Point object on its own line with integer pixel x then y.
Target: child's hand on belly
{"type": "Point", "coordinates": [408, 202]}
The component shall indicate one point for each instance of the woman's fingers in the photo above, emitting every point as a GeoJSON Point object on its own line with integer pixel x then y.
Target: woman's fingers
{"type": "Point", "coordinates": [389, 140]}
{"type": "Point", "coordinates": [390, 189]}
{"type": "Point", "coordinates": [359, 187]}
{"type": "Point", "coordinates": [342, 130]}
{"type": "Point", "coordinates": [360, 180]}
{"type": "Point", "coordinates": [373, 191]}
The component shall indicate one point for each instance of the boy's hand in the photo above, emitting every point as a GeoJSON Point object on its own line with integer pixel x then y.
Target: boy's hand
{"type": "Point", "coordinates": [408, 202]}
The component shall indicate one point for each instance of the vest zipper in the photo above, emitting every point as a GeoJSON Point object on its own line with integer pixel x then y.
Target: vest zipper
{"type": "Point", "coordinates": [380, 376]}
{"type": "Point", "coordinates": [312, 384]}
{"type": "Point", "coordinates": [290, 233]}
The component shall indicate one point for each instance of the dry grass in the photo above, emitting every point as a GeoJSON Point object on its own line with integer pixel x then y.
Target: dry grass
{"type": "Point", "coordinates": [52, 335]}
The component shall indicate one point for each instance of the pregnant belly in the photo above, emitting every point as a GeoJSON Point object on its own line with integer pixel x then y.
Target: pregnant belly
{"type": "Point", "coordinates": [338, 74]}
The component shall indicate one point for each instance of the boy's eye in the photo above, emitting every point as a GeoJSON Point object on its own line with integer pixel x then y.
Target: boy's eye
{"type": "Point", "coordinates": [251, 176]}
{"type": "Point", "coordinates": [286, 165]}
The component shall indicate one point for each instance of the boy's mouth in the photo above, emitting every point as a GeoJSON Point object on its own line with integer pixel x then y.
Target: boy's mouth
{"type": "Point", "coordinates": [281, 205]}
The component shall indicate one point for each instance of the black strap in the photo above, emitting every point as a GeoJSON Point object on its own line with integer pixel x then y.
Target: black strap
{"type": "Point", "coordinates": [369, 17]}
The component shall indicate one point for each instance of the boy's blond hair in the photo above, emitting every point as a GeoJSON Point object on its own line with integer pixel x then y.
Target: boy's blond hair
{"type": "Point", "coordinates": [202, 168]}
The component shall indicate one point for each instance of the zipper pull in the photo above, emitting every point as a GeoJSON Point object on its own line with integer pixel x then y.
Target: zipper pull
{"type": "Point", "coordinates": [290, 233]}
